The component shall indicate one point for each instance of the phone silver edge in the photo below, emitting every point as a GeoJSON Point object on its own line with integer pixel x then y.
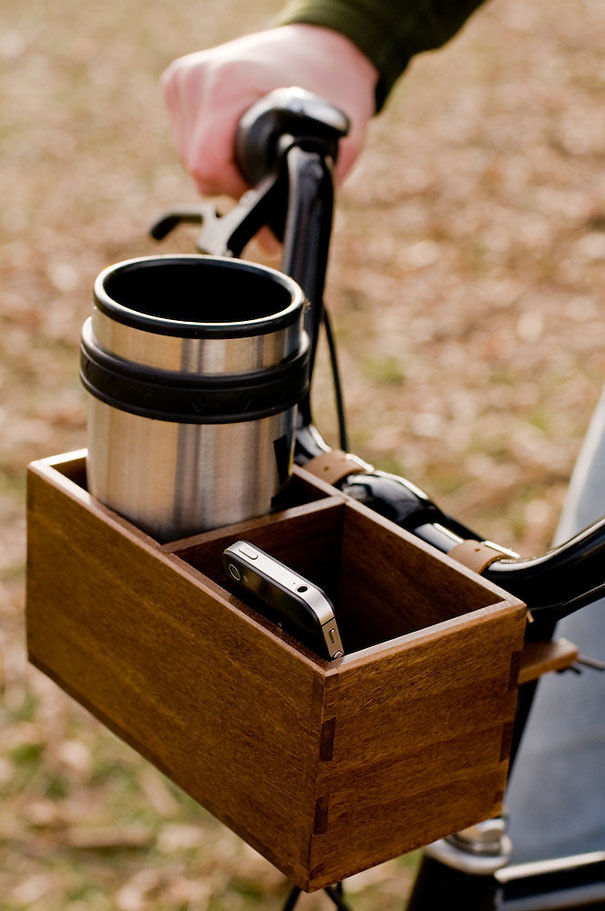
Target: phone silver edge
{"type": "Point", "coordinates": [264, 567]}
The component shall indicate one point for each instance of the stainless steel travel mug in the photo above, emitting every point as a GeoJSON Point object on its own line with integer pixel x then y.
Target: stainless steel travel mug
{"type": "Point", "coordinates": [195, 366]}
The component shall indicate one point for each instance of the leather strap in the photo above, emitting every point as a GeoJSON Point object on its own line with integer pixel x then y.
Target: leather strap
{"type": "Point", "coordinates": [335, 465]}
{"type": "Point", "coordinates": [475, 554]}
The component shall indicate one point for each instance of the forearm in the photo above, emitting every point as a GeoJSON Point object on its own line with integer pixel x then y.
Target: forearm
{"type": "Point", "coordinates": [389, 32]}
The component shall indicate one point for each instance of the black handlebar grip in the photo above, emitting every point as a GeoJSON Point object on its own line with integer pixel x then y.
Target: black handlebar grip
{"type": "Point", "coordinates": [290, 112]}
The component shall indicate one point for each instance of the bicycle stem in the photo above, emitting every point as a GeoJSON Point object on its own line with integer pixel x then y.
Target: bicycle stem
{"type": "Point", "coordinates": [307, 235]}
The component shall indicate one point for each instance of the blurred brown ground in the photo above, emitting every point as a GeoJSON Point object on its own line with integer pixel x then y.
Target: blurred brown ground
{"type": "Point", "coordinates": [467, 289]}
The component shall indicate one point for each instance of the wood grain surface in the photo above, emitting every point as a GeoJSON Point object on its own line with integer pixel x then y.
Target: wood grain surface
{"type": "Point", "coordinates": [325, 768]}
{"type": "Point", "coordinates": [420, 740]}
{"type": "Point", "coordinates": [541, 657]}
{"type": "Point", "coordinates": [209, 696]}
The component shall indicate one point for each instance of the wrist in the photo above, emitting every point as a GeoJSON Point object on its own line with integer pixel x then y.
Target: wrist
{"type": "Point", "coordinates": [338, 56]}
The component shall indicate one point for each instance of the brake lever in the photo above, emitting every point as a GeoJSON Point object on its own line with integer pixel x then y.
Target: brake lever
{"type": "Point", "coordinates": [226, 234]}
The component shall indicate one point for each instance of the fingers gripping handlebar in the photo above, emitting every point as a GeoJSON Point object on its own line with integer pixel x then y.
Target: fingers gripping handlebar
{"type": "Point", "coordinates": [286, 147]}
{"type": "Point", "coordinates": [285, 117]}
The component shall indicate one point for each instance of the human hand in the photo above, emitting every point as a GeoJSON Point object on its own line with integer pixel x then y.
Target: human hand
{"type": "Point", "coordinates": [207, 92]}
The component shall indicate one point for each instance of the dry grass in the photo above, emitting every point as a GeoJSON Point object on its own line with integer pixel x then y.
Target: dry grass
{"type": "Point", "coordinates": [466, 283]}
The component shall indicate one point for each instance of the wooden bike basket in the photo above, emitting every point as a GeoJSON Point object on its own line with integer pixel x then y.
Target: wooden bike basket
{"type": "Point", "coordinates": [326, 768]}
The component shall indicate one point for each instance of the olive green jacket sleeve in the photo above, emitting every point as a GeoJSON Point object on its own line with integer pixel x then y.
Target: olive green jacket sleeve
{"type": "Point", "coordinates": [389, 32]}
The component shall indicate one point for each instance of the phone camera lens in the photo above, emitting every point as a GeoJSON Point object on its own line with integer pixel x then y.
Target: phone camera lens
{"type": "Point", "coordinates": [301, 588]}
{"type": "Point", "coordinates": [234, 572]}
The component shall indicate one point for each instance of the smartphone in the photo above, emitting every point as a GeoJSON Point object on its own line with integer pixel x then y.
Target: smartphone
{"type": "Point", "coordinates": [298, 605]}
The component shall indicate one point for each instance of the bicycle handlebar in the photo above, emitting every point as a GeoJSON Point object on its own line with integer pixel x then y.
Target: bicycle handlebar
{"type": "Point", "coordinates": [287, 145]}
{"type": "Point", "coordinates": [280, 118]}
{"type": "Point", "coordinates": [553, 584]}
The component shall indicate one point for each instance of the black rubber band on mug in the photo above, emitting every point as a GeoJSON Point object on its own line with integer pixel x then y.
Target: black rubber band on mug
{"type": "Point", "coordinates": [189, 399]}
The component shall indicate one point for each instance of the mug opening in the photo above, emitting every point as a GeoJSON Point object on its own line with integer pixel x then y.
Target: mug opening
{"type": "Point", "coordinates": [201, 292]}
